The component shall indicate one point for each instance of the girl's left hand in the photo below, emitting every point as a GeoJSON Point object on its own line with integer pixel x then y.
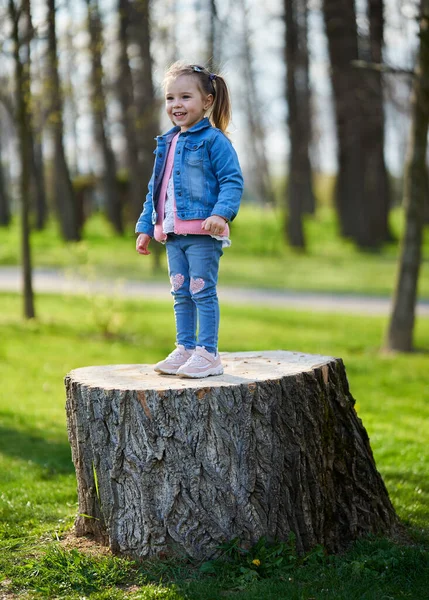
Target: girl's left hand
{"type": "Point", "coordinates": [214, 224]}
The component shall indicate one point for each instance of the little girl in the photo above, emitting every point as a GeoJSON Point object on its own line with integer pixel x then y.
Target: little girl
{"type": "Point", "coordinates": [194, 191]}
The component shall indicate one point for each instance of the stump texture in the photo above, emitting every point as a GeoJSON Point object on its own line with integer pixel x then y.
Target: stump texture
{"type": "Point", "coordinates": [273, 446]}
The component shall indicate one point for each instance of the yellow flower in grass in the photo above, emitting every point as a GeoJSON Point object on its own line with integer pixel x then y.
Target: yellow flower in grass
{"type": "Point", "coordinates": [256, 562]}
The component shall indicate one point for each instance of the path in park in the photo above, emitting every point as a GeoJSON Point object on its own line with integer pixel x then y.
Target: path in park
{"type": "Point", "coordinates": [51, 281]}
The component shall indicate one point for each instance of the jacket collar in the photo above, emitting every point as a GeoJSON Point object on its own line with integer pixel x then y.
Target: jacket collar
{"type": "Point", "coordinates": [203, 124]}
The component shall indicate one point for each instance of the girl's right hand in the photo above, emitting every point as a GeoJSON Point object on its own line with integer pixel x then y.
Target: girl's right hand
{"type": "Point", "coordinates": [142, 243]}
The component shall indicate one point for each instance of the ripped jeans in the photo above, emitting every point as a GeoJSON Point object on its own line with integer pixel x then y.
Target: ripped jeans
{"type": "Point", "coordinates": [193, 265]}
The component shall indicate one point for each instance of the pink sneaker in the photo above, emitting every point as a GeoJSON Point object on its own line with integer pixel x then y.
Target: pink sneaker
{"type": "Point", "coordinates": [171, 364]}
{"type": "Point", "coordinates": [201, 364]}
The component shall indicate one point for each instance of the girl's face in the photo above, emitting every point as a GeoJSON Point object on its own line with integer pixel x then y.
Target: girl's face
{"type": "Point", "coordinates": [184, 102]}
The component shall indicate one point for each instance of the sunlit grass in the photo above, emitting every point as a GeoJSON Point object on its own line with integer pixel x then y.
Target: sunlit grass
{"type": "Point", "coordinates": [37, 483]}
{"type": "Point", "coordinates": [259, 256]}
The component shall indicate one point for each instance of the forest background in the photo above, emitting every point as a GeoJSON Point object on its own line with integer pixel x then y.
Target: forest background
{"type": "Point", "coordinates": [330, 122]}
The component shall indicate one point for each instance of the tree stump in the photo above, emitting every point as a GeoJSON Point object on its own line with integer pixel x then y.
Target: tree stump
{"type": "Point", "coordinates": [271, 447]}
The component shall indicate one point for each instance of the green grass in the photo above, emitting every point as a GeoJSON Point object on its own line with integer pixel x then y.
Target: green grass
{"type": "Point", "coordinates": [37, 482]}
{"type": "Point", "coordinates": [259, 257]}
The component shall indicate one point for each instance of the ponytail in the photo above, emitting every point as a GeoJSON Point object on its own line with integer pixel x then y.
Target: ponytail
{"type": "Point", "coordinates": [208, 83]}
{"type": "Point", "coordinates": [220, 115]}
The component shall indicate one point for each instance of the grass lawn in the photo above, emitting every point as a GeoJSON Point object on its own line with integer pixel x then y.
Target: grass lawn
{"type": "Point", "coordinates": [37, 482]}
{"type": "Point", "coordinates": [258, 257]}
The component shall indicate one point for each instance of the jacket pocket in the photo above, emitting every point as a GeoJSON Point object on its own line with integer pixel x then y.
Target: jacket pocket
{"type": "Point", "coordinates": [194, 152]}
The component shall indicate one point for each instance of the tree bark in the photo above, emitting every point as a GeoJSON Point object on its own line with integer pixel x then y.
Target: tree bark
{"type": "Point", "coordinates": [300, 195]}
{"type": "Point", "coordinates": [376, 198]}
{"type": "Point", "coordinates": [401, 326]}
{"type": "Point", "coordinates": [259, 178]}
{"type": "Point", "coordinates": [213, 47]}
{"type": "Point", "coordinates": [111, 194]}
{"type": "Point", "coordinates": [23, 92]}
{"type": "Point", "coordinates": [65, 200]}
{"type": "Point", "coordinates": [37, 178]}
{"type": "Point", "coordinates": [273, 446]}
{"type": "Point", "coordinates": [137, 188]}
{"type": "Point", "coordinates": [341, 31]}
{"type": "Point", "coordinates": [5, 216]}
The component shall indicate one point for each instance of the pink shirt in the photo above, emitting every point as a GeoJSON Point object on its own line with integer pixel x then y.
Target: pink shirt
{"type": "Point", "coordinates": [181, 227]}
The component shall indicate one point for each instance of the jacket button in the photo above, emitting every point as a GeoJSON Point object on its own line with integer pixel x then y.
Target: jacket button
{"type": "Point", "coordinates": [179, 151]}
{"type": "Point", "coordinates": [177, 172]}
{"type": "Point", "coordinates": [180, 193]}
{"type": "Point", "coordinates": [160, 155]}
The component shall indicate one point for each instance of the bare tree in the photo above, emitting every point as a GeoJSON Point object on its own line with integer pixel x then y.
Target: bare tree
{"type": "Point", "coordinates": [341, 30]}
{"type": "Point", "coordinates": [129, 112]}
{"type": "Point", "coordinates": [213, 46]}
{"type": "Point", "coordinates": [23, 92]}
{"type": "Point", "coordinates": [65, 200]}
{"type": "Point", "coordinates": [362, 195]}
{"type": "Point", "coordinates": [99, 110]}
{"type": "Point", "coordinates": [146, 104]}
{"type": "Point", "coordinates": [300, 195]}
{"type": "Point", "coordinates": [5, 215]}
{"type": "Point", "coordinates": [401, 326]}
{"type": "Point", "coordinates": [376, 198]}
{"type": "Point", "coordinates": [260, 178]}
{"type": "Point", "coordinates": [37, 178]}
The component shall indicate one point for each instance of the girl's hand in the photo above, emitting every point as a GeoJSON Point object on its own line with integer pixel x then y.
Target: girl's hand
{"type": "Point", "coordinates": [214, 224]}
{"type": "Point", "coordinates": [142, 243]}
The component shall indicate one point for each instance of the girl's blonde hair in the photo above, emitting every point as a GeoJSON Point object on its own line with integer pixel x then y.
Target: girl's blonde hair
{"type": "Point", "coordinates": [208, 83]}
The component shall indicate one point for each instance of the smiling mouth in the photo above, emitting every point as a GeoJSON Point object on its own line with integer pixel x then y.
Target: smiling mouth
{"type": "Point", "coordinates": [179, 114]}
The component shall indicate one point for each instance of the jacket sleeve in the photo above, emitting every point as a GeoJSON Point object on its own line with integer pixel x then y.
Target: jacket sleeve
{"type": "Point", "coordinates": [144, 223]}
{"type": "Point", "coordinates": [227, 169]}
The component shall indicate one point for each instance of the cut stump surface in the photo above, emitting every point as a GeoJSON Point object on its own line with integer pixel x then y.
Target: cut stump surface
{"type": "Point", "coordinates": [270, 447]}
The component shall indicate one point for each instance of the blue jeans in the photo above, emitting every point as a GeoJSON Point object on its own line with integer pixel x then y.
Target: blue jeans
{"type": "Point", "coordinates": [193, 265]}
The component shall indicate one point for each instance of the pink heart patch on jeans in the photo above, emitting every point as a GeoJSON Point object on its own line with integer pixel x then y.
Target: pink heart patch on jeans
{"type": "Point", "coordinates": [177, 281]}
{"type": "Point", "coordinates": [197, 285]}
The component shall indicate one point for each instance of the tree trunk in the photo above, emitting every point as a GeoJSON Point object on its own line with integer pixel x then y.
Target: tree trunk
{"type": "Point", "coordinates": [271, 447]}
{"type": "Point", "coordinates": [401, 327]}
{"type": "Point", "coordinates": [23, 91]}
{"type": "Point", "coordinates": [213, 46]}
{"type": "Point", "coordinates": [300, 194]}
{"type": "Point", "coordinates": [65, 200]}
{"type": "Point", "coordinates": [111, 194]}
{"type": "Point", "coordinates": [146, 105]}
{"type": "Point", "coordinates": [5, 216]}
{"type": "Point", "coordinates": [376, 198]}
{"type": "Point", "coordinates": [341, 30]}
{"type": "Point", "coordinates": [37, 178]}
{"type": "Point", "coordinates": [137, 187]}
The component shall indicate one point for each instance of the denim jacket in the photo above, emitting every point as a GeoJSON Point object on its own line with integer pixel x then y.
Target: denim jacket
{"type": "Point", "coordinates": [206, 175]}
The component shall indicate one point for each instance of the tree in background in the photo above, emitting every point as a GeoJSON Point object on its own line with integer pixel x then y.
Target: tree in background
{"type": "Point", "coordinates": [37, 177]}
{"type": "Point", "coordinates": [362, 191]}
{"type": "Point", "coordinates": [147, 123]}
{"type": "Point", "coordinates": [125, 88]}
{"type": "Point", "coordinates": [213, 45]}
{"type": "Point", "coordinates": [21, 31]}
{"type": "Point", "coordinates": [401, 326]}
{"type": "Point", "coordinates": [260, 181]}
{"type": "Point", "coordinates": [65, 201]}
{"type": "Point", "coordinates": [300, 195]}
{"type": "Point", "coordinates": [376, 195]}
{"type": "Point", "coordinates": [111, 194]}
{"type": "Point", "coordinates": [341, 31]}
{"type": "Point", "coordinates": [5, 216]}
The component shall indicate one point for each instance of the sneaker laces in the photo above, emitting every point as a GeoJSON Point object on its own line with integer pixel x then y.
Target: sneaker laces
{"type": "Point", "coordinates": [198, 359]}
{"type": "Point", "coordinates": [177, 352]}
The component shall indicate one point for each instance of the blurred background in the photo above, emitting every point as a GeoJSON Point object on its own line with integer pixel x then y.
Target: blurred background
{"type": "Point", "coordinates": [308, 99]}
{"type": "Point", "coordinates": [322, 102]}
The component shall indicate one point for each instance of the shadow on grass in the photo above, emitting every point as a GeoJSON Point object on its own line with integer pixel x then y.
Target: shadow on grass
{"type": "Point", "coordinates": [53, 456]}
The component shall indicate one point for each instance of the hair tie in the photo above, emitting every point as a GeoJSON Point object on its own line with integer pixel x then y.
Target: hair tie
{"type": "Point", "coordinates": [212, 76]}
